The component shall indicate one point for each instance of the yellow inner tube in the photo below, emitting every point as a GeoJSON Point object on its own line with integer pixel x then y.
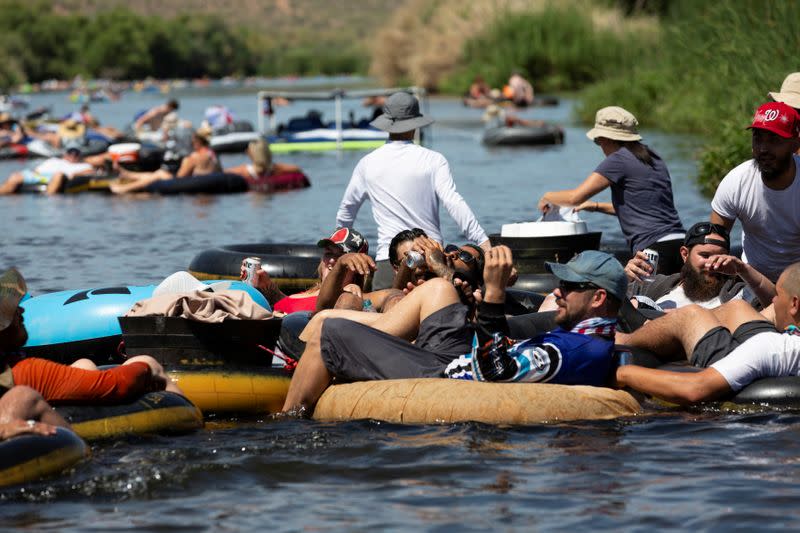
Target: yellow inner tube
{"type": "Point", "coordinates": [234, 391]}
{"type": "Point", "coordinates": [47, 455]}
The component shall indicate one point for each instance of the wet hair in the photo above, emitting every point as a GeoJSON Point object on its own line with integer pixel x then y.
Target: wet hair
{"type": "Point", "coordinates": [397, 240]}
{"type": "Point", "coordinates": [640, 151]}
{"type": "Point", "coordinates": [173, 104]}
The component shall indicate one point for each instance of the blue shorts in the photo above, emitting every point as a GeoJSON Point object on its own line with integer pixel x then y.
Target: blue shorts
{"type": "Point", "coordinates": [29, 177]}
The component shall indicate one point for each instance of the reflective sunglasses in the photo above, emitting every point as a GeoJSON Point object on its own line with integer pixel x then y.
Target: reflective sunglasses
{"type": "Point", "coordinates": [464, 255]}
{"type": "Point", "coordinates": [698, 231]}
{"type": "Point", "coordinates": [570, 286]}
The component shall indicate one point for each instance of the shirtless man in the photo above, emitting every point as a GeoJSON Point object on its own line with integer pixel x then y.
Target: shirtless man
{"type": "Point", "coordinates": [200, 162]}
{"type": "Point", "coordinates": [152, 118]}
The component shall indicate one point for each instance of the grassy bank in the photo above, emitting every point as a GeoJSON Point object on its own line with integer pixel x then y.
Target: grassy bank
{"type": "Point", "coordinates": [560, 47]}
{"type": "Point", "coordinates": [702, 67]}
{"type": "Point", "coordinates": [716, 63]}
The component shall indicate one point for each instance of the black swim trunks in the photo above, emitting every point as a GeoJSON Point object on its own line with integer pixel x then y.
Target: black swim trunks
{"type": "Point", "coordinates": [355, 352]}
{"type": "Point", "coordinates": [719, 342]}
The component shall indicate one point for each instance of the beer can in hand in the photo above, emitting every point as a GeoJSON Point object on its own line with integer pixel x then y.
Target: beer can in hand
{"type": "Point", "coordinates": [251, 266]}
{"type": "Point", "coordinates": [652, 260]}
{"type": "Point", "coordinates": [414, 259]}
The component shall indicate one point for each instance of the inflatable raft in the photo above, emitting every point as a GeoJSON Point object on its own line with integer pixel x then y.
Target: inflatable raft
{"type": "Point", "coordinates": [445, 401]}
{"type": "Point", "coordinates": [26, 458]}
{"type": "Point", "coordinates": [523, 135]}
{"type": "Point", "coordinates": [67, 325]}
{"type": "Point", "coordinates": [155, 412]}
{"type": "Point", "coordinates": [222, 368]}
{"type": "Point", "coordinates": [292, 266]}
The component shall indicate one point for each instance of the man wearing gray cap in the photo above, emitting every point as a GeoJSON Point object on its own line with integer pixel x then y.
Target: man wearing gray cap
{"type": "Point", "coordinates": [405, 183]}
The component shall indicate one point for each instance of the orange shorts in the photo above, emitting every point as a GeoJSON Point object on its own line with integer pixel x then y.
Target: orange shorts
{"type": "Point", "coordinates": [65, 384]}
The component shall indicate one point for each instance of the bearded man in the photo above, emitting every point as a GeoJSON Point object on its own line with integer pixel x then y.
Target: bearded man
{"type": "Point", "coordinates": [710, 276]}
{"type": "Point", "coordinates": [764, 192]}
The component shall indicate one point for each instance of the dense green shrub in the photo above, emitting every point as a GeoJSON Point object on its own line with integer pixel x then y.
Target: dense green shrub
{"type": "Point", "coordinates": [717, 62]}
{"type": "Point", "coordinates": [558, 48]}
{"type": "Point", "coordinates": [36, 44]}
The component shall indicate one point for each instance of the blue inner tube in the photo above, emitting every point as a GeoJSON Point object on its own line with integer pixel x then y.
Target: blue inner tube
{"type": "Point", "coordinates": [67, 325]}
{"type": "Point", "coordinates": [220, 183]}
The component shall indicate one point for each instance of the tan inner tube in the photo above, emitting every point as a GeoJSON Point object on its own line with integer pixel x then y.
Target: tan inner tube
{"type": "Point", "coordinates": [431, 401]}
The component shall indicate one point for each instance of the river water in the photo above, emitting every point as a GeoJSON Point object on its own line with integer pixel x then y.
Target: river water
{"type": "Point", "coordinates": [668, 469]}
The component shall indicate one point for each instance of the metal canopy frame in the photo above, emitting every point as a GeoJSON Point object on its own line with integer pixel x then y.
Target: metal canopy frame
{"type": "Point", "coordinates": [337, 95]}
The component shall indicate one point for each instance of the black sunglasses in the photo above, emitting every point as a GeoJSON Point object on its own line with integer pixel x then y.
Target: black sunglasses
{"type": "Point", "coordinates": [570, 286]}
{"type": "Point", "coordinates": [464, 255]}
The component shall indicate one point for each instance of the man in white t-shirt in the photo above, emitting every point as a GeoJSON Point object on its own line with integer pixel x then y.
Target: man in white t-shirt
{"type": "Point", "coordinates": [51, 172]}
{"type": "Point", "coordinates": [757, 349]}
{"type": "Point", "coordinates": [405, 183]}
{"type": "Point", "coordinates": [764, 192]}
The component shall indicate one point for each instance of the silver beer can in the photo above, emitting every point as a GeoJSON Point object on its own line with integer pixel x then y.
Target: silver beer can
{"type": "Point", "coordinates": [251, 266]}
{"type": "Point", "coordinates": [652, 259]}
{"type": "Point", "coordinates": [414, 259]}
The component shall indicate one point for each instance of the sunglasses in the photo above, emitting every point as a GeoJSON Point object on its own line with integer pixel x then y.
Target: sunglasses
{"type": "Point", "coordinates": [464, 255]}
{"type": "Point", "coordinates": [570, 286]}
{"type": "Point", "coordinates": [706, 228]}
{"type": "Point", "coordinates": [703, 229]}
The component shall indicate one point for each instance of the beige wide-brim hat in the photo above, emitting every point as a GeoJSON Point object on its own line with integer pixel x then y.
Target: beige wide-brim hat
{"type": "Point", "coordinates": [790, 91]}
{"type": "Point", "coordinates": [492, 110]}
{"type": "Point", "coordinates": [615, 123]}
{"type": "Point", "coordinates": [71, 129]}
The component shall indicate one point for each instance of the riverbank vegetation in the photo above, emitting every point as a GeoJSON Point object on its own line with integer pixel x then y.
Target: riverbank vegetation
{"type": "Point", "coordinates": [134, 39]}
{"type": "Point", "coordinates": [688, 66]}
{"type": "Point", "coordinates": [714, 66]}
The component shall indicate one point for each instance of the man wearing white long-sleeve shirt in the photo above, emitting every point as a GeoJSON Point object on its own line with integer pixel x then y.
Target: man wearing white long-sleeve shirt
{"type": "Point", "coordinates": [405, 184]}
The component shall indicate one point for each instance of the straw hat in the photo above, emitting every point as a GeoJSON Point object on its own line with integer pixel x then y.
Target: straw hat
{"type": "Point", "coordinates": [71, 129]}
{"type": "Point", "coordinates": [6, 117]}
{"type": "Point", "coordinates": [615, 123]}
{"type": "Point", "coordinates": [204, 132]}
{"type": "Point", "coordinates": [492, 111]}
{"type": "Point", "coordinates": [790, 91]}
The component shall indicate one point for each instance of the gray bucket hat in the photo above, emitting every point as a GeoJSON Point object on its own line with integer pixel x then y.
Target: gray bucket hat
{"type": "Point", "coordinates": [401, 114]}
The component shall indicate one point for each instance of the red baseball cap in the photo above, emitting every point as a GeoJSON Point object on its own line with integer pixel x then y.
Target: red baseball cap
{"type": "Point", "coordinates": [349, 240]}
{"type": "Point", "coordinates": [778, 118]}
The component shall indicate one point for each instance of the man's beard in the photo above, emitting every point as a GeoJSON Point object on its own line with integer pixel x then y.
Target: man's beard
{"type": "Point", "coordinates": [769, 173]}
{"type": "Point", "coordinates": [697, 287]}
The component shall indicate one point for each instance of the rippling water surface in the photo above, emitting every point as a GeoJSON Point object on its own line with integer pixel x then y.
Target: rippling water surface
{"type": "Point", "coordinates": [664, 470]}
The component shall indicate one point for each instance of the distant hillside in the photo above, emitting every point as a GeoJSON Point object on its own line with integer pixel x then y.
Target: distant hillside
{"type": "Point", "coordinates": [347, 23]}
